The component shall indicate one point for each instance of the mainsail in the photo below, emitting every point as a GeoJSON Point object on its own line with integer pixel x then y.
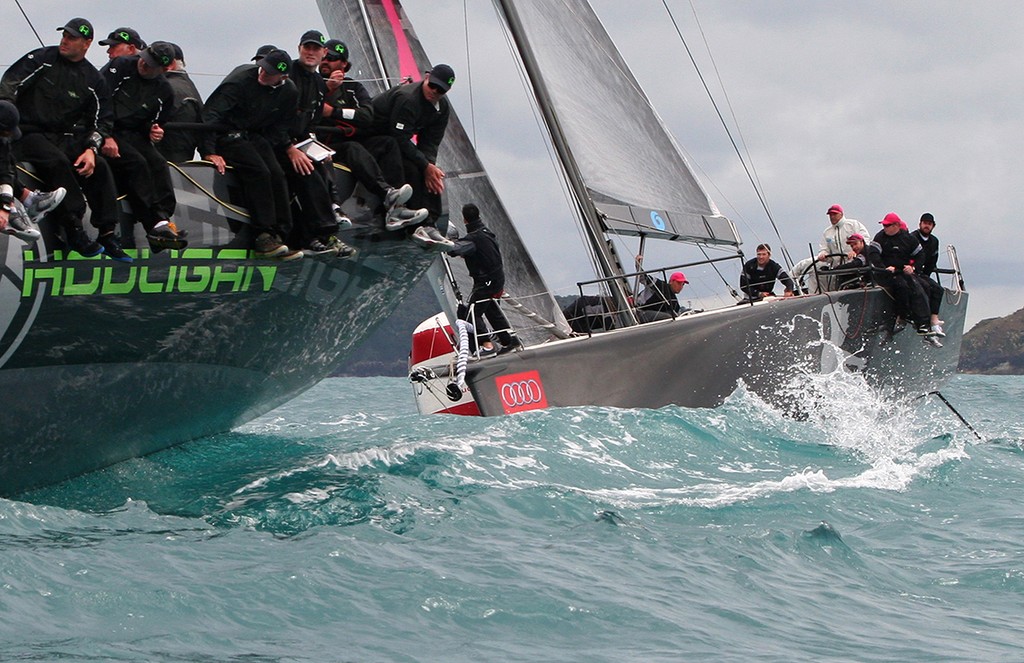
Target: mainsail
{"type": "Point", "coordinates": [630, 166]}
{"type": "Point", "coordinates": [384, 49]}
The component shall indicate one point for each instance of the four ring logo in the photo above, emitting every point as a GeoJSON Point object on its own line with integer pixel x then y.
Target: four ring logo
{"type": "Point", "coordinates": [521, 391]}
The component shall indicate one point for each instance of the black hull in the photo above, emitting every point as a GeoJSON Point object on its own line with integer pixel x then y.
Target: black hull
{"type": "Point", "coordinates": [102, 361]}
{"type": "Point", "coordinates": [698, 360]}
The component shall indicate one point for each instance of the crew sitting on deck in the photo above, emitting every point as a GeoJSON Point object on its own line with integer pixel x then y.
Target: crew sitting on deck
{"type": "Point", "coordinates": [657, 300]}
{"type": "Point", "coordinates": [757, 280]}
{"type": "Point", "coordinates": [899, 252]}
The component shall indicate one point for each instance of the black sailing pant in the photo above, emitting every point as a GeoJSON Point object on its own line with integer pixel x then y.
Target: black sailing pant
{"type": "Point", "coordinates": [486, 306]}
{"type": "Point", "coordinates": [262, 181]}
{"type": "Point", "coordinates": [142, 175]}
{"type": "Point", "coordinates": [52, 156]}
{"type": "Point", "coordinates": [911, 302]}
{"type": "Point", "coordinates": [316, 214]}
{"type": "Point", "coordinates": [935, 293]}
{"type": "Point", "coordinates": [398, 171]}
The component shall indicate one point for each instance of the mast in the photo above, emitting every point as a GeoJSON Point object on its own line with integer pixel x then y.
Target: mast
{"type": "Point", "coordinates": [607, 262]}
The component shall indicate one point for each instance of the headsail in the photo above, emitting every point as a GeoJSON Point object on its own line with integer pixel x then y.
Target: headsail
{"type": "Point", "coordinates": [632, 168]}
{"type": "Point", "coordinates": [364, 23]}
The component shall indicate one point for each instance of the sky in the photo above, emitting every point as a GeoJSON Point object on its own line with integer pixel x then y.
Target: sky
{"type": "Point", "coordinates": [907, 106]}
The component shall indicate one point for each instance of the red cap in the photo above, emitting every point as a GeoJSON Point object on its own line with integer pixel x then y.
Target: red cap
{"type": "Point", "coordinates": [891, 219]}
{"type": "Point", "coordinates": [835, 208]}
{"type": "Point", "coordinates": [854, 236]}
{"type": "Point", "coordinates": [678, 276]}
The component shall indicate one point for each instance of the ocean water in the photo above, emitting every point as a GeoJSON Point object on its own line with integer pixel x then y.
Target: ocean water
{"type": "Point", "coordinates": [345, 527]}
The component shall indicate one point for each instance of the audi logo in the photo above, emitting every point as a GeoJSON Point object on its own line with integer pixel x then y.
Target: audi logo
{"type": "Point", "coordinates": [523, 392]}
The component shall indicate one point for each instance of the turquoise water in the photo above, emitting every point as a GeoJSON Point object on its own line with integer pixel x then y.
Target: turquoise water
{"type": "Point", "coordinates": [344, 527]}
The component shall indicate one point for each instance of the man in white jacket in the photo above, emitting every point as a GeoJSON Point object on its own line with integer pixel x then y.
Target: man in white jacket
{"type": "Point", "coordinates": [833, 245]}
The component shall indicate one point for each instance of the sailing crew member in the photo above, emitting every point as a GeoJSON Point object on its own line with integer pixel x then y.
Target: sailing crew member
{"type": "Point", "coordinates": [926, 267]}
{"type": "Point", "coordinates": [375, 161]}
{"type": "Point", "coordinates": [65, 115]}
{"type": "Point", "coordinates": [830, 250]}
{"type": "Point", "coordinates": [316, 225]}
{"type": "Point", "coordinates": [900, 252]}
{"type": "Point", "coordinates": [123, 42]}
{"type": "Point", "coordinates": [479, 248]}
{"type": "Point", "coordinates": [658, 299]}
{"type": "Point", "coordinates": [256, 103]}
{"type": "Point", "coordinates": [757, 280]}
{"type": "Point", "coordinates": [420, 110]}
{"type": "Point", "coordinates": [179, 145]}
{"type": "Point", "coordinates": [142, 101]}
{"type": "Point", "coordinates": [15, 219]}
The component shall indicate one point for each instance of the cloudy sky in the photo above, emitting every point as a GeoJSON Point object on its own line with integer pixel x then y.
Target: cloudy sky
{"type": "Point", "coordinates": [906, 106]}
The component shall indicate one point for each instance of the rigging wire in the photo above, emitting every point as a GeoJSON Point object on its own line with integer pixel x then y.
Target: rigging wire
{"type": "Point", "coordinates": [732, 140]}
{"type": "Point", "coordinates": [29, 21]}
{"type": "Point", "coordinates": [469, 71]}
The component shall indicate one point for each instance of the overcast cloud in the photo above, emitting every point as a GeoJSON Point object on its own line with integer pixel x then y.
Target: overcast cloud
{"type": "Point", "coordinates": [880, 106]}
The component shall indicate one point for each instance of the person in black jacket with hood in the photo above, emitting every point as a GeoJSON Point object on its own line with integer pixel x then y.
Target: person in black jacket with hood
{"type": "Point", "coordinates": [480, 250]}
{"type": "Point", "coordinates": [65, 115]}
{"type": "Point", "coordinates": [256, 104]}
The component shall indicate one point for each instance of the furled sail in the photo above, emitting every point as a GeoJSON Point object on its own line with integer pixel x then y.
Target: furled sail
{"type": "Point", "coordinates": [384, 49]}
{"type": "Point", "coordinates": [632, 168]}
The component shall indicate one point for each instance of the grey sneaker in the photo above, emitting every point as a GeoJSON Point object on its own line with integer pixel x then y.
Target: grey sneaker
{"type": "Point", "coordinates": [434, 241]}
{"type": "Point", "coordinates": [436, 235]}
{"type": "Point", "coordinates": [318, 248]}
{"type": "Point", "coordinates": [40, 203]}
{"type": "Point", "coordinates": [400, 217]}
{"type": "Point", "coordinates": [20, 225]}
{"type": "Point", "coordinates": [395, 197]}
{"type": "Point", "coordinates": [341, 248]}
{"type": "Point", "coordinates": [339, 217]}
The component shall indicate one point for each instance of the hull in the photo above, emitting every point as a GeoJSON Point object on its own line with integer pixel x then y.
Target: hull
{"type": "Point", "coordinates": [699, 360]}
{"type": "Point", "coordinates": [102, 361]}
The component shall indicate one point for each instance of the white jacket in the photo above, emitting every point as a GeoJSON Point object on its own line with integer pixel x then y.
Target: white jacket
{"type": "Point", "coordinates": [833, 239]}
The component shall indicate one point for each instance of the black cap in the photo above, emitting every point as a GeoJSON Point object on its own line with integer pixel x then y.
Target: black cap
{"type": "Point", "coordinates": [78, 27]}
{"type": "Point", "coordinates": [160, 54]}
{"type": "Point", "coordinates": [276, 62]}
{"type": "Point", "coordinates": [442, 76]}
{"type": "Point", "coordinates": [927, 216]}
{"type": "Point", "coordinates": [9, 119]}
{"type": "Point", "coordinates": [124, 36]}
{"type": "Point", "coordinates": [336, 50]}
{"type": "Point", "coordinates": [178, 54]}
{"type": "Point", "coordinates": [313, 37]}
{"type": "Point", "coordinates": [262, 51]}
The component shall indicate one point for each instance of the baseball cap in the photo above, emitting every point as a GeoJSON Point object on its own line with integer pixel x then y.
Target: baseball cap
{"type": "Point", "coordinates": [835, 208]}
{"type": "Point", "coordinates": [178, 53]}
{"type": "Point", "coordinates": [159, 54]}
{"type": "Point", "coordinates": [442, 76]}
{"type": "Point", "coordinates": [891, 219]}
{"type": "Point", "coordinates": [313, 37]}
{"type": "Point", "coordinates": [262, 51]}
{"type": "Point", "coordinates": [79, 27]}
{"type": "Point", "coordinates": [9, 119]}
{"type": "Point", "coordinates": [854, 236]}
{"type": "Point", "coordinates": [927, 216]}
{"type": "Point", "coordinates": [124, 36]}
{"type": "Point", "coordinates": [336, 50]}
{"type": "Point", "coordinates": [276, 62]}
{"type": "Point", "coordinates": [677, 277]}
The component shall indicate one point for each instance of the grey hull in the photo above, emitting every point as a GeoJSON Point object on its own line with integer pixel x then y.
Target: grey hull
{"type": "Point", "coordinates": [698, 360]}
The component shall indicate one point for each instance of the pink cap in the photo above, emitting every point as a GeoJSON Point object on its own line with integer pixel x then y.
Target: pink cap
{"type": "Point", "coordinates": [835, 208]}
{"type": "Point", "coordinates": [854, 236]}
{"type": "Point", "coordinates": [678, 276]}
{"type": "Point", "coordinates": [891, 219]}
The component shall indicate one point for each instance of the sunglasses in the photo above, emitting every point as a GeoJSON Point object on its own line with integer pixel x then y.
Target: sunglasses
{"type": "Point", "coordinates": [436, 88]}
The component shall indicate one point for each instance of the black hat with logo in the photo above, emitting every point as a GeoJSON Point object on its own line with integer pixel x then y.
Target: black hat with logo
{"type": "Point", "coordinates": [160, 54]}
{"type": "Point", "coordinates": [78, 27]}
{"type": "Point", "coordinates": [276, 62]}
{"type": "Point", "coordinates": [124, 36]}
